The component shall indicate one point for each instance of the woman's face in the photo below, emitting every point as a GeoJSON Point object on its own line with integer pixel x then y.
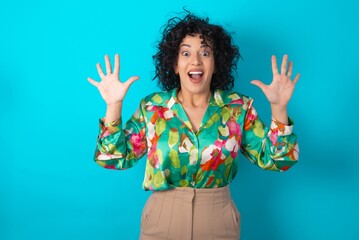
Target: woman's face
{"type": "Point", "coordinates": [195, 65]}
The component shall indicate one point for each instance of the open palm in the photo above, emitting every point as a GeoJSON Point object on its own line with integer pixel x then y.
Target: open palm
{"type": "Point", "coordinates": [281, 88]}
{"type": "Point", "coordinates": [111, 88]}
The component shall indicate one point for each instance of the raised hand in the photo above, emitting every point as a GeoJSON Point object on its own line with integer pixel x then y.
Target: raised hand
{"type": "Point", "coordinates": [112, 90]}
{"type": "Point", "coordinates": [281, 89]}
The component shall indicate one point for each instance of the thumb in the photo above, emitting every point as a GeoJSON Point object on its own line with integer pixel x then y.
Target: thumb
{"type": "Point", "coordinates": [93, 82]}
{"type": "Point", "coordinates": [132, 80]}
{"type": "Point", "coordinates": [259, 84]}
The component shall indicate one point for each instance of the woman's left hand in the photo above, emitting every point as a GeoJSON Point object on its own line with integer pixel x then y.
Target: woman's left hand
{"type": "Point", "coordinates": [281, 89]}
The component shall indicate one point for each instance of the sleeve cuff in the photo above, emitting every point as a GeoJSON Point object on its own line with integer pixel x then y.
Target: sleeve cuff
{"type": "Point", "coordinates": [280, 128]}
{"type": "Point", "coordinates": [109, 128]}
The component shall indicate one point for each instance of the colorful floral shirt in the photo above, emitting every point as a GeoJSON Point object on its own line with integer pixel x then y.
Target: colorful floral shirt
{"type": "Point", "coordinates": [177, 156]}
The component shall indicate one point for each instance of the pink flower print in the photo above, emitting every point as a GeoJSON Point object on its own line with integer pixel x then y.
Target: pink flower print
{"type": "Point", "coordinates": [110, 167]}
{"type": "Point", "coordinates": [151, 108]}
{"type": "Point", "coordinates": [218, 144]}
{"type": "Point", "coordinates": [164, 113]}
{"type": "Point", "coordinates": [138, 143]}
{"type": "Point", "coordinates": [237, 101]}
{"type": "Point", "coordinates": [105, 133]}
{"type": "Point", "coordinates": [234, 128]}
{"type": "Point", "coordinates": [161, 112]}
{"type": "Point", "coordinates": [273, 137]}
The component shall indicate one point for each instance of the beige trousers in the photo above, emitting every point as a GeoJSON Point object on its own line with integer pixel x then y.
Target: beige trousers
{"type": "Point", "coordinates": [190, 214]}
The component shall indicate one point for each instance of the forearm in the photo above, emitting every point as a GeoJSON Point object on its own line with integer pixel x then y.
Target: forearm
{"type": "Point", "coordinates": [113, 112]}
{"type": "Point", "coordinates": [120, 146]}
{"type": "Point", "coordinates": [279, 113]}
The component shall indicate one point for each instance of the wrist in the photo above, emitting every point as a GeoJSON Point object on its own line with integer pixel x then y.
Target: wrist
{"type": "Point", "coordinates": [278, 107]}
{"type": "Point", "coordinates": [113, 112]}
{"type": "Point", "coordinates": [114, 105]}
{"type": "Point", "coordinates": [279, 113]}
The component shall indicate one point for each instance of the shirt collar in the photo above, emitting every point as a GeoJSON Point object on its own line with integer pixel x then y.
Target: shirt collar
{"type": "Point", "coordinates": [216, 99]}
{"type": "Point", "coordinates": [219, 98]}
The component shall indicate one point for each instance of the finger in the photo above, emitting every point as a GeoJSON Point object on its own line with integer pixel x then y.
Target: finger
{"type": "Point", "coordinates": [99, 70]}
{"type": "Point", "coordinates": [296, 78]}
{"type": "Point", "coordinates": [259, 84]}
{"type": "Point", "coordinates": [93, 82]}
{"type": "Point", "coordinates": [108, 64]}
{"type": "Point", "coordinates": [283, 69]}
{"type": "Point", "coordinates": [274, 65]}
{"type": "Point", "coordinates": [290, 68]}
{"type": "Point", "coordinates": [132, 80]}
{"type": "Point", "coordinates": [116, 71]}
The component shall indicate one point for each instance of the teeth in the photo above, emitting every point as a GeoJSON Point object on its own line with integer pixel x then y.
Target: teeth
{"type": "Point", "coordinates": [195, 72]}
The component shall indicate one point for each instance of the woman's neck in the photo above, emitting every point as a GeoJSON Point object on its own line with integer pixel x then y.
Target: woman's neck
{"type": "Point", "coordinates": [193, 100]}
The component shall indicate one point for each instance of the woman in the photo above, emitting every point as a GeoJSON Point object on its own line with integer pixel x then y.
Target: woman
{"type": "Point", "coordinates": [192, 131]}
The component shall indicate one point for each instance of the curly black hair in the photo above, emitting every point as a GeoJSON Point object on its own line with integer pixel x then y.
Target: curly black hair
{"type": "Point", "coordinates": [226, 54]}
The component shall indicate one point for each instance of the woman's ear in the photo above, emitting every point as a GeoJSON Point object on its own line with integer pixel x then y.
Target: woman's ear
{"type": "Point", "coordinates": [175, 68]}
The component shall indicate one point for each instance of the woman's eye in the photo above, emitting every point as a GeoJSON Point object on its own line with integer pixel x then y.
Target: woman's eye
{"type": "Point", "coordinates": [185, 53]}
{"type": "Point", "coordinates": [205, 54]}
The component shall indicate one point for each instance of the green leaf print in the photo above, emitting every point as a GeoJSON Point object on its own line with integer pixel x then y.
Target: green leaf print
{"type": "Point", "coordinates": [224, 131]}
{"type": "Point", "coordinates": [174, 158]}
{"type": "Point", "coordinates": [157, 98]}
{"type": "Point", "coordinates": [158, 179]}
{"type": "Point", "coordinates": [173, 137]}
{"type": "Point", "coordinates": [159, 155]}
{"type": "Point", "coordinates": [214, 118]}
{"type": "Point", "coordinates": [225, 115]}
{"type": "Point", "coordinates": [131, 155]}
{"type": "Point", "coordinates": [228, 160]}
{"type": "Point", "coordinates": [219, 181]}
{"type": "Point", "coordinates": [184, 170]}
{"type": "Point", "coordinates": [269, 165]}
{"type": "Point", "coordinates": [228, 170]}
{"type": "Point", "coordinates": [112, 149]}
{"type": "Point", "coordinates": [149, 169]}
{"type": "Point", "coordinates": [234, 96]}
{"type": "Point", "coordinates": [184, 183]}
{"type": "Point", "coordinates": [258, 129]}
{"type": "Point", "coordinates": [160, 126]}
{"type": "Point", "coordinates": [253, 153]}
{"type": "Point", "coordinates": [148, 176]}
{"type": "Point", "coordinates": [199, 176]}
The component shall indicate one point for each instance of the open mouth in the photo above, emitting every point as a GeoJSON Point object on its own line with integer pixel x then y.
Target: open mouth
{"type": "Point", "coordinates": [195, 76]}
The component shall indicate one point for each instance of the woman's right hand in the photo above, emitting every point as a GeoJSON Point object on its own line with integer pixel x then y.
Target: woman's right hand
{"type": "Point", "coordinates": [112, 90]}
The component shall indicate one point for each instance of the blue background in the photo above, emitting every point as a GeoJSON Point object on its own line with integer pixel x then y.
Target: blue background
{"type": "Point", "coordinates": [50, 188]}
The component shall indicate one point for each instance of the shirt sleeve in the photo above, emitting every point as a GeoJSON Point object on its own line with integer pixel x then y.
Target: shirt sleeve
{"type": "Point", "coordinates": [273, 148]}
{"type": "Point", "coordinates": [121, 147]}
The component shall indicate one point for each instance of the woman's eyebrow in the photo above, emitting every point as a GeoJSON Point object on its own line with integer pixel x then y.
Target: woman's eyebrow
{"type": "Point", "coordinates": [187, 45]}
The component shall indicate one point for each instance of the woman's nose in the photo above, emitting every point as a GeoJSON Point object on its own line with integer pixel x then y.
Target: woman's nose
{"type": "Point", "coordinates": [196, 59]}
